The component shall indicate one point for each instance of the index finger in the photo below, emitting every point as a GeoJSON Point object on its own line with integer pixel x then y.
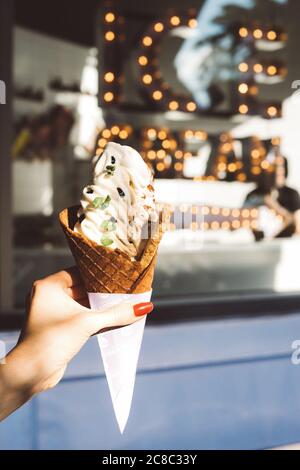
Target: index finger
{"type": "Point", "coordinates": [66, 278]}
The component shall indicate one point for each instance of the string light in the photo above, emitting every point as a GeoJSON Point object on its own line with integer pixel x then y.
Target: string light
{"type": "Point", "coordinates": [246, 223]}
{"type": "Point", "coordinates": [255, 153]}
{"type": "Point", "coordinates": [201, 135]}
{"type": "Point", "coordinates": [225, 211]}
{"type": "Point", "coordinates": [178, 154]}
{"type": "Point", "coordinates": [272, 70]}
{"type": "Point", "coordinates": [161, 154]}
{"type": "Point", "coordinates": [147, 41]}
{"type": "Point", "coordinates": [173, 105]}
{"type": "Point", "coordinates": [143, 60]}
{"type": "Point", "coordinates": [106, 133]}
{"type": "Point", "coordinates": [215, 210]}
{"type": "Point", "coordinates": [236, 224]}
{"type": "Point", "coordinates": [160, 166]}
{"type": "Point", "coordinates": [166, 144]}
{"type": "Point", "coordinates": [225, 225]}
{"type": "Point", "coordinates": [102, 142]}
{"type": "Point", "coordinates": [265, 165]}
{"type": "Point", "coordinates": [243, 67]}
{"type": "Point", "coordinates": [242, 177]}
{"type": "Point", "coordinates": [151, 133]}
{"type": "Point", "coordinates": [162, 134]}
{"type": "Point", "coordinates": [191, 106]}
{"type": "Point", "coordinates": [255, 170]}
{"type": "Point", "coordinates": [147, 79]}
{"type": "Point", "coordinates": [109, 36]}
{"type": "Point", "coordinates": [115, 130]}
{"type": "Point", "coordinates": [189, 134]}
{"type": "Point", "coordinates": [271, 35]}
{"type": "Point", "coordinates": [232, 167]}
{"type": "Point", "coordinates": [243, 32]}
{"type": "Point", "coordinates": [193, 23]}
{"type": "Point", "coordinates": [158, 27]}
{"type": "Point", "coordinates": [109, 17]}
{"type": "Point", "coordinates": [258, 34]}
{"type": "Point", "coordinates": [227, 147]}
{"type": "Point", "coordinates": [275, 140]}
{"type": "Point", "coordinates": [243, 88]}
{"type": "Point", "coordinates": [151, 154]}
{"type": "Point", "coordinates": [175, 20]}
{"type": "Point", "coordinates": [272, 111]}
{"type": "Point", "coordinates": [173, 144]}
{"type": "Point", "coordinates": [109, 77]}
{"type": "Point", "coordinates": [123, 134]}
{"type": "Point", "coordinates": [157, 95]}
{"type": "Point", "coordinates": [222, 167]}
{"type": "Point", "coordinates": [187, 155]}
{"type": "Point", "coordinates": [215, 225]}
{"type": "Point", "coordinates": [178, 166]}
{"type": "Point", "coordinates": [108, 96]}
{"type": "Point", "coordinates": [243, 109]}
{"type": "Point", "coordinates": [245, 213]}
{"type": "Point", "coordinates": [258, 68]}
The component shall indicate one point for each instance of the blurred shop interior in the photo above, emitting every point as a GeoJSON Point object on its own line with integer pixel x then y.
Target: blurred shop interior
{"type": "Point", "coordinates": [206, 91]}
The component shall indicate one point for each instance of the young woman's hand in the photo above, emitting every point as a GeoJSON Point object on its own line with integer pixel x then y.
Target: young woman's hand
{"type": "Point", "coordinates": [58, 324]}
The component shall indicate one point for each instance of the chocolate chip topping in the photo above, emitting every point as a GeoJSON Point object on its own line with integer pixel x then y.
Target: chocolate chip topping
{"type": "Point", "coordinates": [121, 192]}
{"type": "Point", "coordinates": [89, 190]}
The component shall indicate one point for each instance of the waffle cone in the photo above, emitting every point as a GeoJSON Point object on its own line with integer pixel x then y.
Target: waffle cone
{"type": "Point", "coordinates": [110, 271]}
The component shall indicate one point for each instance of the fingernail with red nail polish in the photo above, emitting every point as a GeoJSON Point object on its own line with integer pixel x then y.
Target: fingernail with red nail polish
{"type": "Point", "coordinates": [143, 309]}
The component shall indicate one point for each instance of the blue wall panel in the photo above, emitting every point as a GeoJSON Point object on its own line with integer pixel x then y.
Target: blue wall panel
{"type": "Point", "coordinates": [202, 385]}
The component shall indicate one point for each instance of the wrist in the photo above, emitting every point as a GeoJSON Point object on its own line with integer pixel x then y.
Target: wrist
{"type": "Point", "coordinates": [18, 373]}
{"type": "Point", "coordinates": [17, 381]}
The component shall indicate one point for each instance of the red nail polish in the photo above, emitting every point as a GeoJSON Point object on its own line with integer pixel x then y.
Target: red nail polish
{"type": "Point", "coordinates": [143, 309]}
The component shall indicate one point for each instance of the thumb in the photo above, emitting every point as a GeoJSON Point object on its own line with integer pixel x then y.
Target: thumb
{"type": "Point", "coordinates": [118, 315]}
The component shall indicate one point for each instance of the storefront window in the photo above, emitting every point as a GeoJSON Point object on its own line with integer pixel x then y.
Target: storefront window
{"type": "Point", "coordinates": [209, 97]}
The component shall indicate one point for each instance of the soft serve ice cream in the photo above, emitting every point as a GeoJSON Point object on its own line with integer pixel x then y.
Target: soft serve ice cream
{"type": "Point", "coordinates": [118, 206]}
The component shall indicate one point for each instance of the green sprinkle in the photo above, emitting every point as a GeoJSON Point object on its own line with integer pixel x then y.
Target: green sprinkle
{"type": "Point", "coordinates": [108, 226]}
{"type": "Point", "coordinates": [98, 201]}
{"type": "Point", "coordinates": [101, 202]}
{"type": "Point", "coordinates": [104, 224]}
{"type": "Point", "coordinates": [106, 241]}
{"type": "Point", "coordinates": [106, 202]}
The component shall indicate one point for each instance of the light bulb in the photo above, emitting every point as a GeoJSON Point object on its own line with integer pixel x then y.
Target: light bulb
{"type": "Point", "coordinates": [109, 17]}
{"type": "Point", "coordinates": [109, 36]}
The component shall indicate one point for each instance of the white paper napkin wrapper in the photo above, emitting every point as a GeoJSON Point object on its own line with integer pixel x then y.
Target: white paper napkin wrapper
{"type": "Point", "coordinates": [120, 350]}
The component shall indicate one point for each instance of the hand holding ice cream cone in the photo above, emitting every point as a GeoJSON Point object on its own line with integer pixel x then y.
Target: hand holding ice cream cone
{"type": "Point", "coordinates": [58, 324]}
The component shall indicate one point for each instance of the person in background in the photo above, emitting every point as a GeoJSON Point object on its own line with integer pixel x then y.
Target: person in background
{"type": "Point", "coordinates": [279, 197]}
